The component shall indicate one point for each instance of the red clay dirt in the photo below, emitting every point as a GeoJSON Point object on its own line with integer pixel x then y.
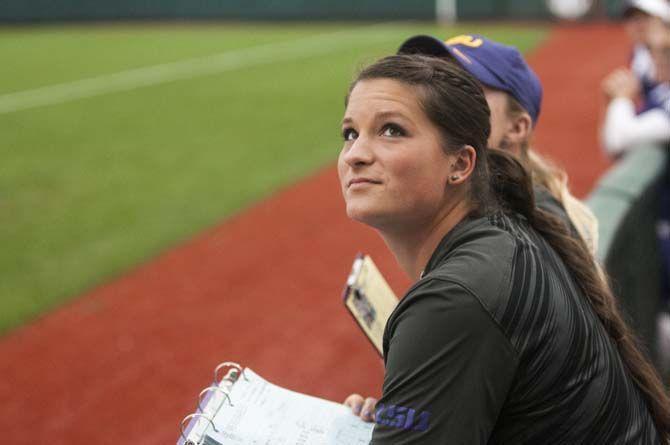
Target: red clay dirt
{"type": "Point", "coordinates": [124, 363]}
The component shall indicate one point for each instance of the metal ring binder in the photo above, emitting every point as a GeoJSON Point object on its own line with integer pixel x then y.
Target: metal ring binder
{"type": "Point", "coordinates": [210, 389]}
{"type": "Point", "coordinates": [265, 413]}
{"type": "Point", "coordinates": [189, 417]}
{"type": "Point", "coordinates": [224, 372]}
{"type": "Point", "coordinates": [224, 365]}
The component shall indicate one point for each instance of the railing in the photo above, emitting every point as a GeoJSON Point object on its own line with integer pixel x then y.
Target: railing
{"type": "Point", "coordinates": [620, 187]}
{"type": "Point", "coordinates": [626, 203]}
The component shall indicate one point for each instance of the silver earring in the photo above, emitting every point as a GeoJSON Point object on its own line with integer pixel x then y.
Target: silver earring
{"type": "Point", "coordinates": [454, 178]}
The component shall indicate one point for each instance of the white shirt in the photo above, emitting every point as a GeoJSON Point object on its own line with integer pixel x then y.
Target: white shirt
{"type": "Point", "coordinates": [641, 63]}
{"type": "Point", "coordinates": [623, 130]}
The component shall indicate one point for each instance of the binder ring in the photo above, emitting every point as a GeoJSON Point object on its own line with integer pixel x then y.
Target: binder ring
{"type": "Point", "coordinates": [193, 416]}
{"type": "Point", "coordinates": [210, 389]}
{"type": "Point", "coordinates": [225, 365]}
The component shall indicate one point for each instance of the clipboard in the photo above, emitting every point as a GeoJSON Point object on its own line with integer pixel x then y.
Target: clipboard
{"type": "Point", "coordinates": [369, 299]}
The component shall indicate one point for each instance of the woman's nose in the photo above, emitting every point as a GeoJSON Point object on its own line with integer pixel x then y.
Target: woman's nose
{"type": "Point", "coordinates": [359, 153]}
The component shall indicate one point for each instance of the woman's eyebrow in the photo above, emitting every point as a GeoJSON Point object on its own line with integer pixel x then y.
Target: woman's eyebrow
{"type": "Point", "coordinates": [390, 114]}
{"type": "Point", "coordinates": [380, 116]}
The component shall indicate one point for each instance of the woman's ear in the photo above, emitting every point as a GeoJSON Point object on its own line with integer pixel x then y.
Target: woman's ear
{"type": "Point", "coordinates": [463, 164]}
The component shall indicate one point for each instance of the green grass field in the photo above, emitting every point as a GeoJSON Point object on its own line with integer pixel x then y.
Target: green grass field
{"type": "Point", "coordinates": [91, 187]}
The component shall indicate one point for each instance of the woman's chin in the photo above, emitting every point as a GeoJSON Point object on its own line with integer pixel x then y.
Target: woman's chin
{"type": "Point", "coordinates": [366, 215]}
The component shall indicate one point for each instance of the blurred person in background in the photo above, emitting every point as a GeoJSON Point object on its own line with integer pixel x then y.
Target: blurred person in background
{"type": "Point", "coordinates": [627, 126]}
{"type": "Point", "coordinates": [510, 334]}
{"type": "Point", "coordinates": [638, 16]}
{"type": "Point", "coordinates": [639, 258]}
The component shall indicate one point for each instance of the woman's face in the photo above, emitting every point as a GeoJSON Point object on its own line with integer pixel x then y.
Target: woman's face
{"type": "Point", "coordinates": [392, 167]}
{"type": "Point", "coordinates": [636, 24]}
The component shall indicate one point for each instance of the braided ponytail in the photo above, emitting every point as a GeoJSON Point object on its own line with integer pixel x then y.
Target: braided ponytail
{"type": "Point", "coordinates": [512, 188]}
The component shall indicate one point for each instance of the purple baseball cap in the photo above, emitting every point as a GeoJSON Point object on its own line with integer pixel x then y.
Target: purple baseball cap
{"type": "Point", "coordinates": [495, 65]}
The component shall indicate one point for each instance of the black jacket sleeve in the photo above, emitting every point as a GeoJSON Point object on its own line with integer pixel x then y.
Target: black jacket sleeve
{"type": "Point", "coordinates": [449, 368]}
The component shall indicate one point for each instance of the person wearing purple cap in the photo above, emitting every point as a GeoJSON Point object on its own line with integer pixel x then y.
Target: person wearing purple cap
{"type": "Point", "coordinates": [499, 68]}
{"type": "Point", "coordinates": [514, 94]}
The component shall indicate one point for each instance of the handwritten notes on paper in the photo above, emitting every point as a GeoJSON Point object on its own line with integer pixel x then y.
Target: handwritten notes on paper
{"type": "Point", "coordinates": [265, 414]}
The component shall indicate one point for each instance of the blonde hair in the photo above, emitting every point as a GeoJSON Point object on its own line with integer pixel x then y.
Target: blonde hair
{"type": "Point", "coordinates": [546, 174]}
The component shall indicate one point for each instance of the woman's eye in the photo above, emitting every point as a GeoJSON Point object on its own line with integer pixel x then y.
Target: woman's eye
{"type": "Point", "coordinates": [392, 130]}
{"type": "Point", "coordinates": [349, 134]}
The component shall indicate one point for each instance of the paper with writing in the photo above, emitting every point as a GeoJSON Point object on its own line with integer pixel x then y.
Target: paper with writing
{"type": "Point", "coordinates": [266, 414]}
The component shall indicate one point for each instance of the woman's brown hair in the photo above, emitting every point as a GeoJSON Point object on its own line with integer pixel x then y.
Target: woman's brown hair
{"type": "Point", "coordinates": [455, 103]}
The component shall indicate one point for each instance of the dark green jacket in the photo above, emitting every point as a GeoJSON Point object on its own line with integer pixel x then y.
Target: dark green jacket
{"type": "Point", "coordinates": [496, 344]}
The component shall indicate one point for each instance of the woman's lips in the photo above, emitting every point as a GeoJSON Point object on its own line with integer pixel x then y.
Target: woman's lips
{"type": "Point", "coordinates": [362, 181]}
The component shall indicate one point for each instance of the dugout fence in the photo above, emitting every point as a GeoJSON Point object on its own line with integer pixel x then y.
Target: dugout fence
{"type": "Point", "coordinates": [626, 202]}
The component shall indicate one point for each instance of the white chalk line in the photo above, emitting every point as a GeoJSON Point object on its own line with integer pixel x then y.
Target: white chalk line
{"type": "Point", "coordinates": [190, 68]}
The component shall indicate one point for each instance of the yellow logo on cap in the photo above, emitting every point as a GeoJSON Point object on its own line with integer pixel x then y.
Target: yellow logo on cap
{"type": "Point", "coordinates": [465, 40]}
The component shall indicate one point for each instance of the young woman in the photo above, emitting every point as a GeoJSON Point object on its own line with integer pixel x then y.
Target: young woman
{"type": "Point", "coordinates": [509, 334]}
